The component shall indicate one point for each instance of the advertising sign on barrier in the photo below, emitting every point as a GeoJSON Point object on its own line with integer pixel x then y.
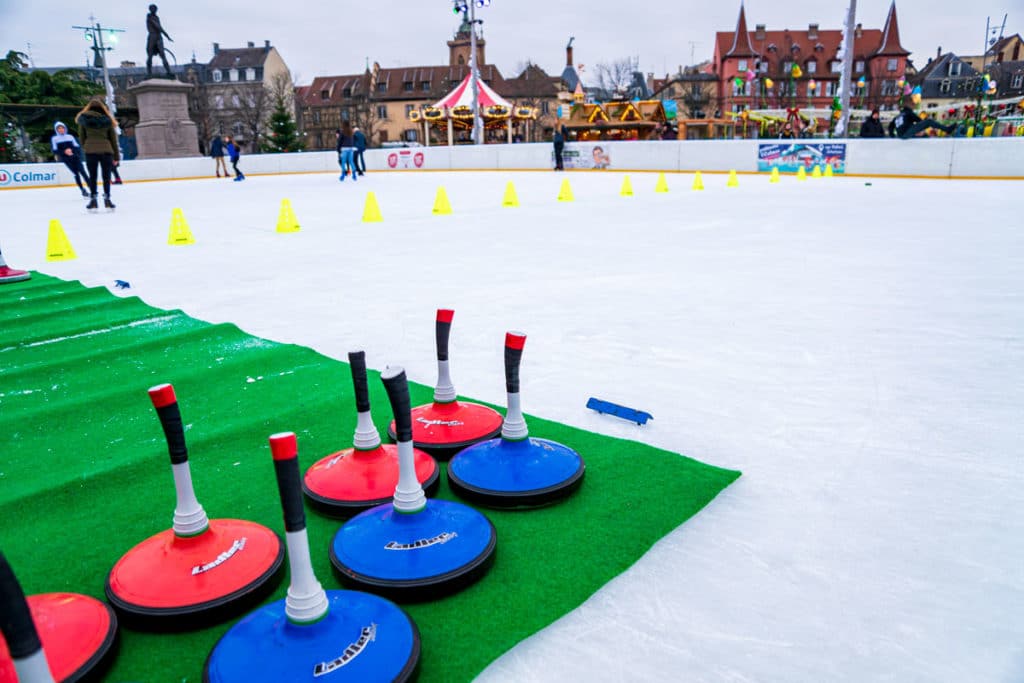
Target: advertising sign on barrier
{"type": "Point", "coordinates": [26, 177]}
{"type": "Point", "coordinates": [788, 156]}
{"type": "Point", "coordinates": [585, 156]}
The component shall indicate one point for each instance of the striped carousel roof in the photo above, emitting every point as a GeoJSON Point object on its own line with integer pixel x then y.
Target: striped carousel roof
{"type": "Point", "coordinates": [463, 96]}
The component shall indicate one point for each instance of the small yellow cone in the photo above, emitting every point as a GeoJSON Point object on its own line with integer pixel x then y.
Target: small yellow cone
{"type": "Point", "coordinates": [627, 187]}
{"type": "Point", "coordinates": [565, 193]}
{"type": "Point", "coordinates": [816, 173]}
{"type": "Point", "coordinates": [441, 205]}
{"type": "Point", "coordinates": [801, 173]}
{"type": "Point", "coordinates": [286, 221]}
{"type": "Point", "coordinates": [733, 180]}
{"type": "Point", "coordinates": [698, 182]}
{"type": "Point", "coordinates": [180, 232]}
{"type": "Point", "coordinates": [371, 212]}
{"type": "Point", "coordinates": [58, 247]}
{"type": "Point", "coordinates": [828, 170]}
{"type": "Point", "coordinates": [775, 175]}
{"type": "Point", "coordinates": [662, 185]}
{"type": "Point", "coordinates": [510, 198]}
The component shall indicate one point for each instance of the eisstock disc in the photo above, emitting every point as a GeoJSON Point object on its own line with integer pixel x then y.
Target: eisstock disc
{"type": "Point", "coordinates": [351, 481]}
{"type": "Point", "coordinates": [443, 429]}
{"type": "Point", "coordinates": [8, 274]}
{"type": "Point", "coordinates": [501, 473]}
{"type": "Point", "coordinates": [411, 557]}
{"type": "Point", "coordinates": [171, 581]}
{"type": "Point", "coordinates": [78, 635]}
{"type": "Point", "coordinates": [362, 638]}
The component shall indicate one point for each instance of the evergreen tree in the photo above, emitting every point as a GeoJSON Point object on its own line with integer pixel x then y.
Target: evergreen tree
{"type": "Point", "coordinates": [282, 135]}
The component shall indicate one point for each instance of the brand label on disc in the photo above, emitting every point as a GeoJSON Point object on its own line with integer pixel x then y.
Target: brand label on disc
{"type": "Point", "coordinates": [442, 537]}
{"type": "Point", "coordinates": [366, 636]}
{"type": "Point", "coordinates": [446, 423]}
{"type": "Point", "coordinates": [237, 546]}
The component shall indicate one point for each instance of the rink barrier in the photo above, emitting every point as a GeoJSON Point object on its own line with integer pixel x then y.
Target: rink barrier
{"type": "Point", "coordinates": [951, 158]}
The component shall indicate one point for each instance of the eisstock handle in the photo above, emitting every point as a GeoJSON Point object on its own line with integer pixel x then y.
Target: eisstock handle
{"type": "Point", "coordinates": [285, 450]}
{"type": "Point", "coordinates": [166, 404]}
{"type": "Point", "coordinates": [397, 387]}
{"type": "Point", "coordinates": [357, 361]}
{"type": "Point", "coordinates": [15, 618]}
{"type": "Point", "coordinates": [514, 342]}
{"type": "Point", "coordinates": [443, 329]}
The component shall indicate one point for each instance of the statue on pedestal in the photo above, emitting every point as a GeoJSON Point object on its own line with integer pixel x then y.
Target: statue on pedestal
{"type": "Point", "coordinates": [155, 42]}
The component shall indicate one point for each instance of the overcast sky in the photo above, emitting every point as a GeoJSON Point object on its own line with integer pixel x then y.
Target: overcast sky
{"type": "Point", "coordinates": [325, 38]}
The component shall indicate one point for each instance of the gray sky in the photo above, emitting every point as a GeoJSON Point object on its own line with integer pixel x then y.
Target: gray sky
{"type": "Point", "coordinates": [324, 38]}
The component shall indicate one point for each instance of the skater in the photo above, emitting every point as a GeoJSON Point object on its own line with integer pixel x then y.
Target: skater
{"type": "Point", "coordinates": [559, 141]}
{"type": "Point", "coordinates": [234, 153]}
{"type": "Point", "coordinates": [96, 131]}
{"type": "Point", "coordinates": [346, 148]}
{"type": "Point", "coordinates": [908, 124]}
{"type": "Point", "coordinates": [360, 143]}
{"type": "Point", "coordinates": [872, 126]}
{"type": "Point", "coordinates": [217, 152]}
{"type": "Point", "coordinates": [66, 150]}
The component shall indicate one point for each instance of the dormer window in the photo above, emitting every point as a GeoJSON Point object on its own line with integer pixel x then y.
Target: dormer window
{"type": "Point", "coordinates": [954, 68]}
{"type": "Point", "coordinates": [425, 86]}
{"type": "Point", "coordinates": [217, 76]}
{"type": "Point", "coordinates": [325, 95]}
{"type": "Point", "coordinates": [382, 87]}
{"type": "Point", "coordinates": [772, 47]}
{"type": "Point", "coordinates": [794, 48]}
{"type": "Point", "coordinates": [819, 48]}
{"type": "Point", "coordinates": [346, 92]}
{"type": "Point", "coordinates": [250, 74]}
{"type": "Point", "coordinates": [233, 75]}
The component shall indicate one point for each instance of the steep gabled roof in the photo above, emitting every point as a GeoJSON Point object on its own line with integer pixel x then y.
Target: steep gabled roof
{"type": "Point", "coordinates": [741, 46]}
{"type": "Point", "coordinates": [890, 45]}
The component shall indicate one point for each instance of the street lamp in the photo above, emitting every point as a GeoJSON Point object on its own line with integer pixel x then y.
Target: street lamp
{"type": "Point", "coordinates": [470, 8]}
{"type": "Point", "coordinates": [95, 35]}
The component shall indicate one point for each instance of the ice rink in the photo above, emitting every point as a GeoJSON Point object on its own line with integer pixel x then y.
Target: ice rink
{"type": "Point", "coordinates": [854, 345]}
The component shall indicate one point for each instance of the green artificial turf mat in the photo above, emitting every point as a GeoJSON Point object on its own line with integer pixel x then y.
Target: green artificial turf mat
{"type": "Point", "coordinates": [84, 472]}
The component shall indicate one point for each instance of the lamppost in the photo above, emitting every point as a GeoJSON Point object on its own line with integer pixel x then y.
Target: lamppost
{"type": "Point", "coordinates": [470, 8]}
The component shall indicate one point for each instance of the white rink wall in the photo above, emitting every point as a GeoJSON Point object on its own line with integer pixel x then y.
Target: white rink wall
{"type": "Point", "coordinates": [993, 158]}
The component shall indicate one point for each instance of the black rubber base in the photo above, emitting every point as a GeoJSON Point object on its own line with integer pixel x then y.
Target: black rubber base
{"type": "Point", "coordinates": [508, 500]}
{"type": "Point", "coordinates": [341, 509]}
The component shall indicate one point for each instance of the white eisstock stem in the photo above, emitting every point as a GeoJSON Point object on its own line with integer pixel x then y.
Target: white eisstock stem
{"type": "Point", "coordinates": [189, 517]}
{"type": "Point", "coordinates": [409, 496]}
{"type": "Point", "coordinates": [445, 390]}
{"type": "Point", "coordinates": [306, 600]}
{"type": "Point", "coordinates": [514, 426]}
{"type": "Point", "coordinates": [366, 437]}
{"type": "Point", "coordinates": [33, 669]}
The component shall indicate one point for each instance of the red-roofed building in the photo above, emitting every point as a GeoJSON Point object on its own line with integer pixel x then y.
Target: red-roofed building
{"type": "Point", "coordinates": [878, 57]}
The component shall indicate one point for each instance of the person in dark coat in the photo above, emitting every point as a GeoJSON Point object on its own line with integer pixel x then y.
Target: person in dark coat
{"type": "Point", "coordinates": [559, 141]}
{"type": "Point", "coordinates": [346, 148]}
{"type": "Point", "coordinates": [66, 148]}
{"type": "Point", "coordinates": [217, 152]}
{"type": "Point", "coordinates": [872, 126]}
{"type": "Point", "coordinates": [96, 131]}
{"type": "Point", "coordinates": [358, 161]}
{"type": "Point", "coordinates": [908, 124]}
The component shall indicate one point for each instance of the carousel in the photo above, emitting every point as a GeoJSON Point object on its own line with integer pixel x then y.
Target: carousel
{"type": "Point", "coordinates": [454, 112]}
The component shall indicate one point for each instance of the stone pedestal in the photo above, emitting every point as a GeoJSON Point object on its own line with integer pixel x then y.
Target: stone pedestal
{"type": "Point", "coordinates": [164, 129]}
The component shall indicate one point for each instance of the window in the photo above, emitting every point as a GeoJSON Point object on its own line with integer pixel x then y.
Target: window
{"type": "Point", "coordinates": [345, 114]}
{"type": "Point", "coordinates": [738, 90]}
{"type": "Point", "coordinates": [944, 86]}
{"type": "Point", "coordinates": [811, 91]}
{"type": "Point", "coordinates": [545, 107]}
{"type": "Point", "coordinates": [742, 65]}
{"type": "Point", "coordinates": [812, 67]}
{"type": "Point", "coordinates": [410, 135]}
{"type": "Point", "coordinates": [217, 76]}
{"type": "Point", "coordinates": [830, 88]}
{"type": "Point", "coordinates": [858, 66]}
{"type": "Point", "coordinates": [346, 92]}
{"type": "Point", "coordinates": [762, 67]}
{"type": "Point", "coordinates": [238, 128]}
{"type": "Point", "coordinates": [408, 86]}
{"type": "Point", "coordinates": [409, 108]}
{"type": "Point", "coordinates": [325, 95]}
{"type": "Point", "coordinates": [235, 102]}
{"type": "Point", "coordinates": [233, 75]}
{"type": "Point", "coordinates": [382, 87]}
{"type": "Point", "coordinates": [425, 86]}
{"type": "Point", "coordinates": [787, 67]}
{"type": "Point", "coordinates": [382, 111]}
{"type": "Point", "coordinates": [316, 117]}
{"type": "Point", "coordinates": [891, 63]}
{"type": "Point", "coordinates": [250, 74]}
{"type": "Point", "coordinates": [218, 101]}
{"type": "Point", "coordinates": [889, 88]}
{"type": "Point", "coordinates": [954, 68]}
{"type": "Point", "coordinates": [251, 100]}
{"type": "Point", "coordinates": [1017, 82]}
{"type": "Point", "coordinates": [837, 67]}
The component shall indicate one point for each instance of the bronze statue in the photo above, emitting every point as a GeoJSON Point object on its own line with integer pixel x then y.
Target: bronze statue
{"type": "Point", "coordinates": [155, 42]}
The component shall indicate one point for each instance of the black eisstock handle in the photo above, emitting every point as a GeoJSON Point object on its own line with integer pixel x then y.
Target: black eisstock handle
{"type": "Point", "coordinates": [443, 329]}
{"type": "Point", "coordinates": [166, 404]}
{"type": "Point", "coordinates": [514, 342]}
{"type": "Point", "coordinates": [357, 361]}
{"type": "Point", "coordinates": [286, 466]}
{"type": "Point", "coordinates": [397, 387]}
{"type": "Point", "coordinates": [15, 618]}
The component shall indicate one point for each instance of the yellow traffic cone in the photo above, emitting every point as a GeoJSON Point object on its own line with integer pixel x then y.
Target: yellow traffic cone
{"type": "Point", "coordinates": [510, 198]}
{"type": "Point", "coordinates": [775, 175]}
{"type": "Point", "coordinates": [371, 212]}
{"type": "Point", "coordinates": [733, 180]}
{"type": "Point", "coordinates": [801, 173]}
{"type": "Point", "coordinates": [286, 221]}
{"type": "Point", "coordinates": [816, 172]}
{"type": "Point", "coordinates": [180, 232]}
{"type": "Point", "coordinates": [828, 170]}
{"type": "Point", "coordinates": [565, 193]}
{"type": "Point", "coordinates": [58, 247]}
{"type": "Point", "coordinates": [662, 185]}
{"type": "Point", "coordinates": [441, 205]}
{"type": "Point", "coordinates": [627, 187]}
{"type": "Point", "coordinates": [698, 182]}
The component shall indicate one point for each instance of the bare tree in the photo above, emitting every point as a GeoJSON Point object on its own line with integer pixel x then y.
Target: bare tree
{"type": "Point", "coordinates": [615, 78]}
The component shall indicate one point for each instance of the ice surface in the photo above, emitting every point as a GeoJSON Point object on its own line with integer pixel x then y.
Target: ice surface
{"type": "Point", "coordinates": [855, 350]}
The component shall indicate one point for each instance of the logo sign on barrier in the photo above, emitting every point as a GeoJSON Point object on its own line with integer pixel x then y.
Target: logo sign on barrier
{"type": "Point", "coordinates": [789, 156]}
{"type": "Point", "coordinates": [26, 178]}
{"type": "Point", "coordinates": [404, 157]}
{"type": "Point", "coordinates": [585, 156]}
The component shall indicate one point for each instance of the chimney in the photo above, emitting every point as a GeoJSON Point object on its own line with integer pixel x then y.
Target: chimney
{"type": "Point", "coordinates": [568, 55]}
{"type": "Point", "coordinates": [858, 32]}
{"type": "Point", "coordinates": [250, 44]}
{"type": "Point", "coordinates": [266, 45]}
{"type": "Point", "coordinates": [759, 33]}
{"type": "Point", "coordinates": [216, 48]}
{"type": "Point", "coordinates": [812, 31]}
{"type": "Point", "coordinates": [938, 52]}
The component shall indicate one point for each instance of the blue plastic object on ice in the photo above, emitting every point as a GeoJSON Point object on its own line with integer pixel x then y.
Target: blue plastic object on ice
{"type": "Point", "coordinates": [122, 284]}
{"type": "Point", "coordinates": [631, 414]}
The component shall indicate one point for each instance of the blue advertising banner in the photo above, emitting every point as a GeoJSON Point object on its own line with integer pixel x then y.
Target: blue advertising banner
{"type": "Point", "coordinates": [788, 156]}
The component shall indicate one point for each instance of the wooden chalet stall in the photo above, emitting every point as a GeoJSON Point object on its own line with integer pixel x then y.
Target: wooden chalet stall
{"type": "Point", "coordinates": [618, 120]}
